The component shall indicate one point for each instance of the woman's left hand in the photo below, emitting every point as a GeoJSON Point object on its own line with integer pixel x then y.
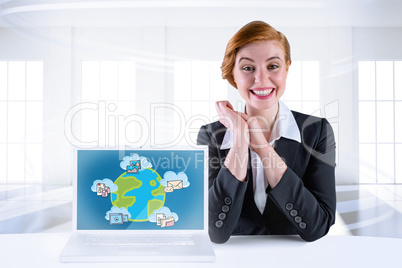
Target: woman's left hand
{"type": "Point", "coordinates": [274, 166]}
{"type": "Point", "coordinates": [258, 140]}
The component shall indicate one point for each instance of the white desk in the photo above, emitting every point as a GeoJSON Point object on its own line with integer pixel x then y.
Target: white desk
{"type": "Point", "coordinates": [42, 250]}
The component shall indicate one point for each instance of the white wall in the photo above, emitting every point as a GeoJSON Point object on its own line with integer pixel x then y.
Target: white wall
{"type": "Point", "coordinates": [154, 49]}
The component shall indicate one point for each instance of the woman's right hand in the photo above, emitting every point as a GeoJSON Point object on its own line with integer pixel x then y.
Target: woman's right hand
{"type": "Point", "coordinates": [232, 120]}
{"type": "Point", "coordinates": [237, 158]}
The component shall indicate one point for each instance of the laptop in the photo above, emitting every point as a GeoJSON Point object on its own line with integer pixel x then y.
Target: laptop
{"type": "Point", "coordinates": [141, 205]}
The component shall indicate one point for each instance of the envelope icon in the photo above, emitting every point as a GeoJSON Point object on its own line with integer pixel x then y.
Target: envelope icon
{"type": "Point", "coordinates": [175, 184]}
{"type": "Point", "coordinates": [168, 189]}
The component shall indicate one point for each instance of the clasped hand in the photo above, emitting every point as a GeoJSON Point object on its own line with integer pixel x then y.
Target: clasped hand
{"type": "Point", "coordinates": [250, 130]}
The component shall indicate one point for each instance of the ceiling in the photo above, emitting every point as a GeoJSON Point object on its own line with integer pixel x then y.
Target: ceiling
{"type": "Point", "coordinates": [199, 13]}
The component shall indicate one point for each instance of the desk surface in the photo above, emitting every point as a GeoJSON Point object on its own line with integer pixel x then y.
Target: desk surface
{"type": "Point", "coordinates": [42, 250]}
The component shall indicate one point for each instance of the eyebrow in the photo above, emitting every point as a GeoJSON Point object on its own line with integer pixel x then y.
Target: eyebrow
{"type": "Point", "coordinates": [271, 58]}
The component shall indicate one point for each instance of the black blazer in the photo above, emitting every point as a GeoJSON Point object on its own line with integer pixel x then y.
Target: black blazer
{"type": "Point", "coordinates": [303, 202]}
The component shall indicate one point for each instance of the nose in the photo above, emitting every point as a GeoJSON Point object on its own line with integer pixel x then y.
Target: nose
{"type": "Point", "coordinates": [261, 76]}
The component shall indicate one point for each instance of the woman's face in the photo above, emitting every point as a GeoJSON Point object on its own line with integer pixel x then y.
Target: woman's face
{"type": "Point", "coordinates": [260, 73]}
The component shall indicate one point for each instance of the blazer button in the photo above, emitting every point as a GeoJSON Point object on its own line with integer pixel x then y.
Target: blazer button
{"type": "Point", "coordinates": [302, 225]}
{"type": "Point", "coordinates": [293, 213]}
{"type": "Point", "coordinates": [219, 224]}
{"type": "Point", "coordinates": [298, 219]}
{"type": "Point", "coordinates": [228, 200]}
{"type": "Point", "coordinates": [222, 216]}
{"type": "Point", "coordinates": [289, 206]}
{"type": "Point", "coordinates": [225, 208]}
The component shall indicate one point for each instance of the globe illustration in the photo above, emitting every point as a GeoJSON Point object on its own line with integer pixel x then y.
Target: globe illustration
{"type": "Point", "coordinates": [140, 193]}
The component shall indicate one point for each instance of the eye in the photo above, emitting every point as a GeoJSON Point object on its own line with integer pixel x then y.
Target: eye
{"type": "Point", "coordinates": [273, 66]}
{"type": "Point", "coordinates": [248, 68]}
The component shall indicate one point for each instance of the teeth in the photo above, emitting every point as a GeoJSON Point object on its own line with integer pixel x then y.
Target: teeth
{"type": "Point", "coordinates": [263, 92]}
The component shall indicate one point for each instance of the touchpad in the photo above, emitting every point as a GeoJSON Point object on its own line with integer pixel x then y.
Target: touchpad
{"type": "Point", "coordinates": [136, 250]}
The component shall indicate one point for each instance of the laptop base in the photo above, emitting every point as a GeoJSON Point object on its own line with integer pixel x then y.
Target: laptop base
{"type": "Point", "coordinates": [76, 251]}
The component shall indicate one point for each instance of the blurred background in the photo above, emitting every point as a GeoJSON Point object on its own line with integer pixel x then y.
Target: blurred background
{"type": "Point", "coordinates": [106, 73]}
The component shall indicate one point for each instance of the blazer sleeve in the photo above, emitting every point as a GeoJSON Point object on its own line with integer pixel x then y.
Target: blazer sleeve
{"type": "Point", "coordinates": [226, 193]}
{"type": "Point", "coordinates": [309, 202]}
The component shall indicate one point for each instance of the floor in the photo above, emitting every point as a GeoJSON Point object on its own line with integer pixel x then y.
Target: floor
{"type": "Point", "coordinates": [362, 210]}
{"type": "Point", "coordinates": [371, 210]}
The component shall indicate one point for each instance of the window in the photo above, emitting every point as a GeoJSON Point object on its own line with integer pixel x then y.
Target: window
{"type": "Point", "coordinates": [109, 88]}
{"type": "Point", "coordinates": [21, 121]}
{"type": "Point", "coordinates": [197, 86]}
{"type": "Point", "coordinates": [380, 121]}
{"type": "Point", "coordinates": [302, 92]}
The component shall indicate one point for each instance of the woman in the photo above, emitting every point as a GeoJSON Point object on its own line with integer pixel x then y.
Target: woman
{"type": "Point", "coordinates": [271, 170]}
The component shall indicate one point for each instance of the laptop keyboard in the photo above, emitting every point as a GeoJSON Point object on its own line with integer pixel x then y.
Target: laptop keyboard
{"type": "Point", "coordinates": [139, 240]}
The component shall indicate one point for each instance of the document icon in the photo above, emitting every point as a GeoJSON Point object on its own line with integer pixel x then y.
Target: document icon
{"type": "Point", "coordinates": [176, 185]}
{"type": "Point", "coordinates": [159, 217]}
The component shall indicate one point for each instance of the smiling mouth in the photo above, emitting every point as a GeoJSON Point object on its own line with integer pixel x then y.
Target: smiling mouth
{"type": "Point", "coordinates": [262, 92]}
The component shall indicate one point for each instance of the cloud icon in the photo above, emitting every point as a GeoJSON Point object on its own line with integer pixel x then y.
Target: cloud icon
{"type": "Point", "coordinates": [172, 176]}
{"type": "Point", "coordinates": [163, 210]}
{"type": "Point", "coordinates": [127, 161]}
{"type": "Point", "coordinates": [109, 183]}
{"type": "Point", "coordinates": [123, 211]}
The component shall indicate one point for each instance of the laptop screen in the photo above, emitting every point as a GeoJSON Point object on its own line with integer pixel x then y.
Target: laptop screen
{"type": "Point", "coordinates": [140, 189]}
